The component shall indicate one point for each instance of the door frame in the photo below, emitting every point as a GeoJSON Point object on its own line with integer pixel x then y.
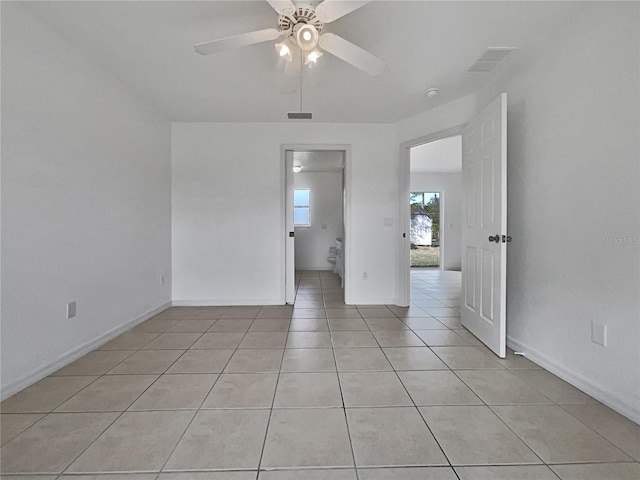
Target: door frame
{"type": "Point", "coordinates": [286, 179]}
{"type": "Point", "coordinates": [404, 243]}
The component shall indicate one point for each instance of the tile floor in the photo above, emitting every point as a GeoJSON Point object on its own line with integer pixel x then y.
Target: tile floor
{"type": "Point", "coordinates": [320, 390]}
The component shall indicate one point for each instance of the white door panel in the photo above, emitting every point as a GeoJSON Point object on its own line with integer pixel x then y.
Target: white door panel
{"type": "Point", "coordinates": [484, 177]}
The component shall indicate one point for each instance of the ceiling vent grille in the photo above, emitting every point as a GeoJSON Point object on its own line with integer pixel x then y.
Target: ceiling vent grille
{"type": "Point", "coordinates": [490, 58]}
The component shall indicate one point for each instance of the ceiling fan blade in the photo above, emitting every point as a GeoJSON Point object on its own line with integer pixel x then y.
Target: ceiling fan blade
{"type": "Point", "coordinates": [238, 41]}
{"type": "Point", "coordinates": [331, 10]}
{"type": "Point", "coordinates": [283, 7]}
{"type": "Point", "coordinates": [351, 53]}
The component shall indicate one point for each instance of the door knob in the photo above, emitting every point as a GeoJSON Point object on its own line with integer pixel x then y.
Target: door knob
{"type": "Point", "coordinates": [494, 238]}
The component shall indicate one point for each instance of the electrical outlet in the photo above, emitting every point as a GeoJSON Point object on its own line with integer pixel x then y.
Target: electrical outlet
{"type": "Point", "coordinates": [599, 334]}
{"type": "Point", "coordinates": [71, 309]}
{"type": "Point", "coordinates": [365, 275]}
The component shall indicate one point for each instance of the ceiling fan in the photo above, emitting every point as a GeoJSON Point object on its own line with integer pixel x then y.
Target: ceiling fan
{"type": "Point", "coordinates": [302, 26]}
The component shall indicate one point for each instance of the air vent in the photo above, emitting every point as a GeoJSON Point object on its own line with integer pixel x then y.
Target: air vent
{"type": "Point", "coordinates": [299, 115]}
{"type": "Point", "coordinates": [490, 58]}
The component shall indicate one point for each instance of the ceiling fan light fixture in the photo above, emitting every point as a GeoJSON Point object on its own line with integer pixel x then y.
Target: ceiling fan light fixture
{"type": "Point", "coordinates": [307, 37]}
{"type": "Point", "coordinates": [312, 57]}
{"type": "Point", "coordinates": [284, 49]}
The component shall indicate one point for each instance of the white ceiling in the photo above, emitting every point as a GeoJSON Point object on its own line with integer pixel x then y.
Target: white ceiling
{"type": "Point", "coordinates": [149, 46]}
{"type": "Point", "coordinates": [441, 156]}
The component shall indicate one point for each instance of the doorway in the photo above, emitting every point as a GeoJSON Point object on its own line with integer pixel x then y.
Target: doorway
{"type": "Point", "coordinates": [316, 213]}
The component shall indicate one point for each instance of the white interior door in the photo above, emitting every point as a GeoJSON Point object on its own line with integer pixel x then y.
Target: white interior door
{"type": "Point", "coordinates": [290, 267]}
{"type": "Point", "coordinates": [484, 225]}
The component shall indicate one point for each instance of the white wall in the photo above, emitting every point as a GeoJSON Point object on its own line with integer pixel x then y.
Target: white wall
{"type": "Point", "coordinates": [312, 243]}
{"type": "Point", "coordinates": [85, 202]}
{"type": "Point", "coordinates": [228, 209]}
{"type": "Point", "coordinates": [450, 185]}
{"type": "Point", "coordinates": [573, 177]}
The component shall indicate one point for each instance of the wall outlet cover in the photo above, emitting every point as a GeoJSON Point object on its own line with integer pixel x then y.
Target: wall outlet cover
{"type": "Point", "coordinates": [71, 309]}
{"type": "Point", "coordinates": [599, 334]}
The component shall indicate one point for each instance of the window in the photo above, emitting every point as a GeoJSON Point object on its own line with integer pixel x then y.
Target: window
{"type": "Point", "coordinates": [301, 216]}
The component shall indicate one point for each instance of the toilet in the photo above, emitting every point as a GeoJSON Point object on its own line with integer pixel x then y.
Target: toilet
{"type": "Point", "coordinates": [332, 256]}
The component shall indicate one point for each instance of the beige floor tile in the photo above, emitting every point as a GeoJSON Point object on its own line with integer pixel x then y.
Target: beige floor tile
{"type": "Point", "coordinates": [437, 388]}
{"type": "Point", "coordinates": [619, 430]}
{"type": "Point", "coordinates": [309, 340]}
{"type": "Point", "coordinates": [45, 395]}
{"type": "Point", "coordinates": [414, 358]}
{"type": "Point", "coordinates": [444, 312]}
{"type": "Point", "coordinates": [603, 471]}
{"type": "Point", "coordinates": [309, 474]}
{"type": "Point", "coordinates": [174, 392]}
{"type": "Point", "coordinates": [347, 324]}
{"type": "Point", "coordinates": [408, 312]}
{"type": "Point", "coordinates": [218, 341]}
{"type": "Point", "coordinates": [385, 323]}
{"type": "Point", "coordinates": [241, 312]}
{"type": "Point", "coordinates": [317, 303]}
{"type": "Point", "coordinates": [243, 475]}
{"type": "Point", "coordinates": [407, 473]}
{"type": "Point", "coordinates": [507, 472]}
{"type": "Point", "coordinates": [308, 360]}
{"type": "Point", "coordinates": [22, 476]}
{"type": "Point", "coordinates": [110, 476]}
{"type": "Point", "coordinates": [207, 313]}
{"type": "Point", "coordinates": [307, 438]}
{"type": "Point", "coordinates": [308, 325]}
{"type": "Point", "coordinates": [231, 325]}
{"type": "Point", "coordinates": [243, 390]}
{"type": "Point", "coordinates": [275, 311]}
{"type": "Point", "coordinates": [424, 323]}
{"type": "Point", "coordinates": [402, 338]}
{"type": "Point", "coordinates": [512, 361]}
{"type": "Point", "coordinates": [343, 313]}
{"type": "Point", "coordinates": [173, 341]}
{"type": "Point", "coordinates": [270, 325]}
{"type": "Point", "coordinates": [129, 341]}
{"type": "Point", "coordinates": [309, 313]}
{"type": "Point", "coordinates": [361, 359]}
{"type": "Point", "coordinates": [429, 303]}
{"type": "Point", "coordinates": [441, 338]}
{"type": "Point", "coordinates": [301, 390]}
{"type": "Point", "coordinates": [451, 322]}
{"type": "Point", "coordinates": [375, 312]}
{"type": "Point", "coordinates": [53, 443]}
{"type": "Point", "coordinates": [147, 362]}
{"type": "Point", "coordinates": [263, 340]}
{"type": "Point", "coordinates": [192, 326]}
{"type": "Point", "coordinates": [551, 386]}
{"type": "Point", "coordinates": [108, 393]}
{"type": "Point", "coordinates": [392, 437]}
{"type": "Point", "coordinates": [176, 312]}
{"type": "Point", "coordinates": [137, 441]}
{"type": "Point", "coordinates": [556, 436]}
{"type": "Point", "coordinates": [485, 441]}
{"type": "Point", "coordinates": [13, 424]}
{"type": "Point", "coordinates": [353, 339]}
{"type": "Point", "coordinates": [465, 358]}
{"type": "Point", "coordinates": [236, 445]}
{"type": "Point", "coordinates": [255, 361]}
{"type": "Point", "coordinates": [500, 387]}
{"type": "Point", "coordinates": [373, 389]}
{"type": "Point", "coordinates": [97, 362]}
{"type": "Point", "coordinates": [201, 361]}
{"type": "Point", "coordinates": [156, 325]}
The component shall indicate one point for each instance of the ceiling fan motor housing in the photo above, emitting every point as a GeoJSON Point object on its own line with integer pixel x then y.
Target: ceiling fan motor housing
{"type": "Point", "coordinates": [302, 16]}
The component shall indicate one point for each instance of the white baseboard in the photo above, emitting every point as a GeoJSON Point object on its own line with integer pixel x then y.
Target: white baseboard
{"type": "Point", "coordinates": [66, 358]}
{"type": "Point", "coordinates": [590, 387]}
{"type": "Point", "coordinates": [225, 302]}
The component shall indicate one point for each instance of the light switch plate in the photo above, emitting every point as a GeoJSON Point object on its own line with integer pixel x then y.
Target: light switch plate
{"type": "Point", "coordinates": [599, 334]}
{"type": "Point", "coordinates": [71, 309]}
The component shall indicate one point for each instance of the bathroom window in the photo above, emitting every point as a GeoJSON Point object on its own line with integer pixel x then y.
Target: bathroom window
{"type": "Point", "coordinates": [301, 217]}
